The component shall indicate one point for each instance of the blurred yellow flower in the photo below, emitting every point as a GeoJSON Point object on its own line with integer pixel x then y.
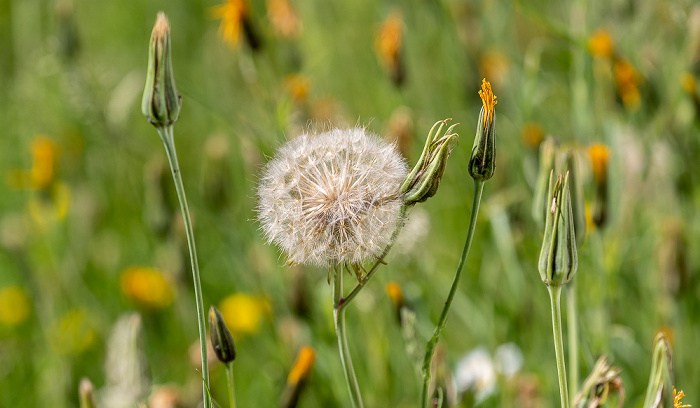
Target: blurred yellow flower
{"type": "Point", "coordinates": [600, 156]}
{"type": "Point", "coordinates": [494, 65]}
{"type": "Point", "coordinates": [532, 134]}
{"type": "Point", "coordinates": [302, 366]}
{"type": "Point", "coordinates": [395, 293]}
{"type": "Point", "coordinates": [297, 86]}
{"type": "Point", "coordinates": [627, 81]}
{"type": "Point", "coordinates": [231, 15]}
{"type": "Point", "coordinates": [677, 396]}
{"type": "Point", "coordinates": [14, 305]}
{"type": "Point", "coordinates": [283, 18]}
{"type": "Point", "coordinates": [600, 44]}
{"type": "Point", "coordinates": [44, 168]}
{"type": "Point", "coordinates": [147, 286]}
{"type": "Point", "coordinates": [688, 83]}
{"type": "Point", "coordinates": [388, 42]}
{"type": "Point", "coordinates": [45, 209]}
{"type": "Point", "coordinates": [244, 313]}
{"type": "Point", "coordinates": [73, 333]}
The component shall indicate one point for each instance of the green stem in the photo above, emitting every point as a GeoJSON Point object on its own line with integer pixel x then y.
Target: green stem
{"type": "Point", "coordinates": [430, 347]}
{"type": "Point", "coordinates": [345, 359]}
{"type": "Point", "coordinates": [231, 389]}
{"type": "Point", "coordinates": [344, 302]}
{"type": "Point", "coordinates": [166, 135]}
{"type": "Point", "coordinates": [572, 334]}
{"type": "Point", "coordinates": [555, 297]}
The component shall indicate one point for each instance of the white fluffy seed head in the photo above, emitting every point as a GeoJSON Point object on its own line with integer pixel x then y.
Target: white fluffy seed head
{"type": "Point", "coordinates": [332, 198]}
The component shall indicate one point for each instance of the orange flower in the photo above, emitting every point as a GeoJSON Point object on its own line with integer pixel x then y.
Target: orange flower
{"type": "Point", "coordinates": [388, 42]}
{"type": "Point", "coordinates": [231, 14]}
{"type": "Point", "coordinates": [600, 44]}
{"type": "Point", "coordinates": [302, 366]}
{"type": "Point", "coordinates": [283, 18]}
{"type": "Point", "coordinates": [147, 286]}
{"type": "Point", "coordinates": [532, 134]}
{"type": "Point", "coordinates": [297, 86]}
{"type": "Point", "coordinates": [395, 293]}
{"type": "Point", "coordinates": [677, 403]}
{"type": "Point", "coordinates": [600, 156]}
{"type": "Point", "coordinates": [627, 81]}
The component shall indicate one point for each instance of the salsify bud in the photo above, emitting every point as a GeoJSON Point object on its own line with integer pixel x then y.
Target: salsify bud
{"type": "Point", "coordinates": [221, 339]}
{"type": "Point", "coordinates": [558, 257]}
{"type": "Point", "coordinates": [660, 386]}
{"type": "Point", "coordinates": [600, 385]}
{"type": "Point", "coordinates": [161, 102]}
{"type": "Point", "coordinates": [424, 179]}
{"type": "Point", "coordinates": [548, 151]}
{"type": "Point", "coordinates": [483, 160]}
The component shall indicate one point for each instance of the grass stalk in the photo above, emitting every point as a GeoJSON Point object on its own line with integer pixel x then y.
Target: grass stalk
{"type": "Point", "coordinates": [555, 298]}
{"type": "Point", "coordinates": [430, 347]}
{"type": "Point", "coordinates": [166, 135]}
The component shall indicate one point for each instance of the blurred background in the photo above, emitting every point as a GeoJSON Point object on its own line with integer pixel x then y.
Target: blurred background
{"type": "Point", "coordinates": [94, 269]}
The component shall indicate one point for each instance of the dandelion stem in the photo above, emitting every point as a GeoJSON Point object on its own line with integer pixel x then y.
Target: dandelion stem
{"type": "Point", "coordinates": [347, 300]}
{"type": "Point", "coordinates": [231, 389]}
{"type": "Point", "coordinates": [555, 297]}
{"type": "Point", "coordinates": [166, 135]}
{"type": "Point", "coordinates": [572, 334]}
{"type": "Point", "coordinates": [345, 359]}
{"type": "Point", "coordinates": [430, 347]}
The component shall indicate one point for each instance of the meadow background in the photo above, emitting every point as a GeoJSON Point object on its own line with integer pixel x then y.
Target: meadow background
{"type": "Point", "coordinates": [90, 230]}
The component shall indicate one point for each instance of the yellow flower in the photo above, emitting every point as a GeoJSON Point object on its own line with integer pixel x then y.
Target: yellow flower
{"type": "Point", "coordinates": [283, 18]}
{"type": "Point", "coordinates": [45, 209]}
{"type": "Point", "coordinates": [244, 313]}
{"type": "Point", "coordinates": [677, 403]}
{"type": "Point", "coordinates": [600, 156]}
{"type": "Point", "coordinates": [297, 86]}
{"type": "Point", "coordinates": [14, 305]}
{"type": "Point", "coordinates": [627, 81]}
{"type": "Point", "coordinates": [147, 286]}
{"type": "Point", "coordinates": [73, 333]}
{"type": "Point", "coordinates": [231, 14]}
{"type": "Point", "coordinates": [302, 366]}
{"type": "Point", "coordinates": [600, 44]}
{"type": "Point", "coordinates": [688, 83]}
{"type": "Point", "coordinates": [395, 293]}
{"type": "Point", "coordinates": [44, 167]}
{"type": "Point", "coordinates": [532, 134]}
{"type": "Point", "coordinates": [388, 43]}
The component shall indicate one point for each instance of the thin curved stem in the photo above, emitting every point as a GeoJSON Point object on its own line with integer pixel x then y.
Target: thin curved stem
{"type": "Point", "coordinates": [231, 389]}
{"type": "Point", "coordinates": [430, 347]}
{"type": "Point", "coordinates": [166, 135]}
{"type": "Point", "coordinates": [344, 302]}
{"type": "Point", "coordinates": [345, 359]}
{"type": "Point", "coordinates": [555, 298]}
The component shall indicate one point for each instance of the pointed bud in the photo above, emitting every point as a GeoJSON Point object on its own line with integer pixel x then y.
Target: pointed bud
{"type": "Point", "coordinates": [297, 378]}
{"type": "Point", "coordinates": [483, 161]}
{"type": "Point", "coordinates": [424, 179]}
{"type": "Point", "coordinates": [161, 102]}
{"type": "Point", "coordinates": [221, 339]}
{"type": "Point", "coordinates": [548, 151]}
{"type": "Point", "coordinates": [600, 157]}
{"type": "Point", "coordinates": [87, 394]}
{"type": "Point", "coordinates": [558, 257]}
{"type": "Point", "coordinates": [659, 390]}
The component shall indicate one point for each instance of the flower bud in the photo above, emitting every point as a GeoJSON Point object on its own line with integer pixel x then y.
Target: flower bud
{"type": "Point", "coordinates": [548, 151]}
{"type": "Point", "coordinates": [221, 339]}
{"type": "Point", "coordinates": [660, 386]}
{"type": "Point", "coordinates": [483, 161]}
{"type": "Point", "coordinates": [424, 179]}
{"type": "Point", "coordinates": [597, 389]}
{"type": "Point", "coordinates": [558, 257]}
{"type": "Point", "coordinates": [297, 378]}
{"type": "Point", "coordinates": [600, 157]}
{"type": "Point", "coordinates": [161, 102]}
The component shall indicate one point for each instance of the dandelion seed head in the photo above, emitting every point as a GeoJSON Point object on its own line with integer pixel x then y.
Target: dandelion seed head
{"type": "Point", "coordinates": [333, 197]}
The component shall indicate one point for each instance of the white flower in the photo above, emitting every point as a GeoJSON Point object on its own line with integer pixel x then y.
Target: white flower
{"type": "Point", "coordinates": [332, 198]}
{"type": "Point", "coordinates": [475, 372]}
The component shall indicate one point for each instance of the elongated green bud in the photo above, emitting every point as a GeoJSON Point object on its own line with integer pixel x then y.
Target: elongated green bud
{"type": "Point", "coordinates": [221, 339]}
{"type": "Point", "coordinates": [482, 163]}
{"type": "Point", "coordinates": [161, 102]}
{"type": "Point", "coordinates": [558, 257]}
{"type": "Point", "coordinates": [659, 390]}
{"type": "Point", "coordinates": [424, 179]}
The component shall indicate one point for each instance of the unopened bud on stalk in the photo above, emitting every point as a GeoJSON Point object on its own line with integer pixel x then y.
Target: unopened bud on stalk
{"type": "Point", "coordinates": [221, 339]}
{"type": "Point", "coordinates": [600, 158]}
{"type": "Point", "coordinates": [601, 384]}
{"type": "Point", "coordinates": [548, 151]}
{"type": "Point", "coordinates": [483, 161]}
{"type": "Point", "coordinates": [161, 102]}
{"type": "Point", "coordinates": [659, 390]}
{"type": "Point", "coordinates": [558, 257]}
{"type": "Point", "coordinates": [424, 179]}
